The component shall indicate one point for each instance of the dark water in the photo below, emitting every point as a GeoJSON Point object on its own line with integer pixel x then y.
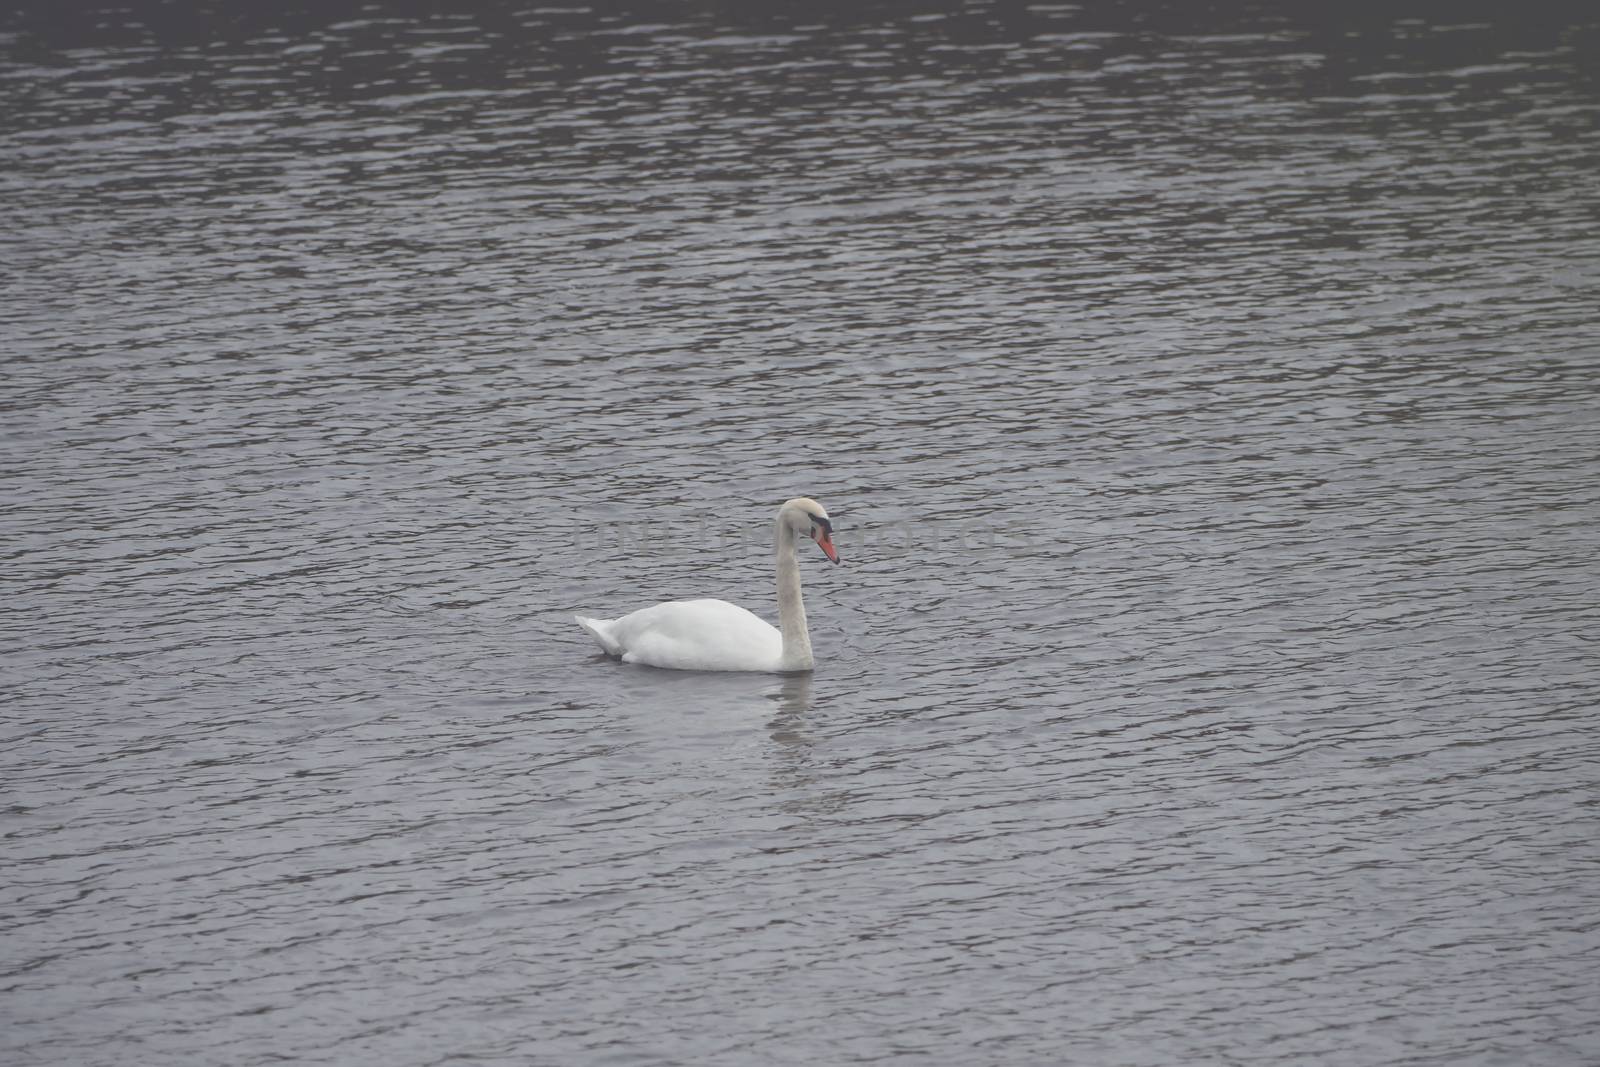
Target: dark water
{"type": "Point", "coordinates": [1208, 404]}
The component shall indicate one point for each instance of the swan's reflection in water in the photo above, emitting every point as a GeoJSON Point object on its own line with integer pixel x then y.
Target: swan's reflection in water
{"type": "Point", "coordinates": [695, 719]}
{"type": "Point", "coordinates": [791, 727]}
{"type": "Point", "coordinates": [792, 695]}
{"type": "Point", "coordinates": [795, 730]}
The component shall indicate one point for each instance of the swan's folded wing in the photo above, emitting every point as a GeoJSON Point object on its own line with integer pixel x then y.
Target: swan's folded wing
{"type": "Point", "coordinates": [698, 635]}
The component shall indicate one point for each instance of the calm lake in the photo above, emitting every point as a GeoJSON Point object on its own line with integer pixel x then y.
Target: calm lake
{"type": "Point", "coordinates": [1207, 402]}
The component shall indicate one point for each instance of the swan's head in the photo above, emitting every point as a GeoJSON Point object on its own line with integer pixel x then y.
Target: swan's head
{"type": "Point", "coordinates": [805, 516]}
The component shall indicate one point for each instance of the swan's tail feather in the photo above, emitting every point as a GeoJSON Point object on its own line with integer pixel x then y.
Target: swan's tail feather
{"type": "Point", "coordinates": [600, 630]}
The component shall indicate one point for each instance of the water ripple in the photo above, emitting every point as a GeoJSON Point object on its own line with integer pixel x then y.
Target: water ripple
{"type": "Point", "coordinates": [1205, 406]}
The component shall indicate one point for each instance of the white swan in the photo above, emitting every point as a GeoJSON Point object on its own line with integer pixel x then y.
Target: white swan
{"type": "Point", "coordinates": [714, 635]}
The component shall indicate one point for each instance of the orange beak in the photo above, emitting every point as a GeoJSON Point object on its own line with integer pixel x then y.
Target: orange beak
{"type": "Point", "coordinates": [824, 541]}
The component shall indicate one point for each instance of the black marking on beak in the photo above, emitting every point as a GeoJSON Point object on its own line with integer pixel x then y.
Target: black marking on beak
{"type": "Point", "coordinates": [822, 521]}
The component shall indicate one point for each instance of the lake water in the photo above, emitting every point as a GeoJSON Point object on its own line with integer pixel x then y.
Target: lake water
{"type": "Point", "coordinates": [1208, 405]}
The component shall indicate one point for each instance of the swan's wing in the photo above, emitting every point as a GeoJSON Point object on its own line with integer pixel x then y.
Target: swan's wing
{"type": "Point", "coordinates": [704, 635]}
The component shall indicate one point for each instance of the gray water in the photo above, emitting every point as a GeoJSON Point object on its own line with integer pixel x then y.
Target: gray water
{"type": "Point", "coordinates": [1208, 405]}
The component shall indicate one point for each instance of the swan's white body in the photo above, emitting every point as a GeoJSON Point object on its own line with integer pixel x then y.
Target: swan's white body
{"type": "Point", "coordinates": [693, 635]}
{"type": "Point", "coordinates": [714, 635]}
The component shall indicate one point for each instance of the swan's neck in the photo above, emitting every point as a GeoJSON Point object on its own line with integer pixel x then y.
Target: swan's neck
{"type": "Point", "coordinates": [791, 612]}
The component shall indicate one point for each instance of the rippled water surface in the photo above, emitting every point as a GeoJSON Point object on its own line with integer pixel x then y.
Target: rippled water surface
{"type": "Point", "coordinates": [1209, 409]}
